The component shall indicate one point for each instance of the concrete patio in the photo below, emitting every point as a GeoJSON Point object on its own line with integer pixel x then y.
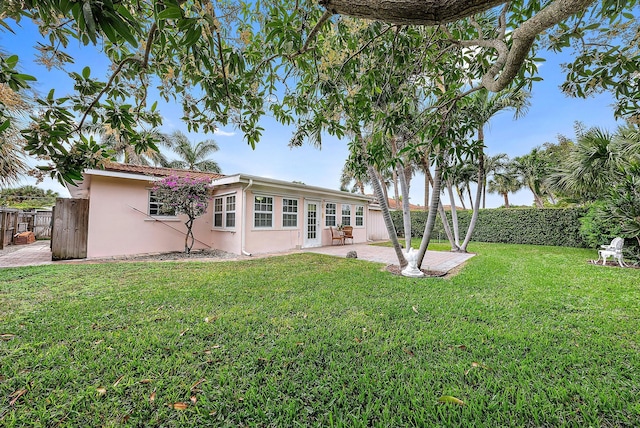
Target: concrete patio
{"type": "Point", "coordinates": [440, 261]}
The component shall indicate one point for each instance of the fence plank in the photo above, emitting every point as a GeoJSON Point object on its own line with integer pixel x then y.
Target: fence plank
{"type": "Point", "coordinates": [70, 229]}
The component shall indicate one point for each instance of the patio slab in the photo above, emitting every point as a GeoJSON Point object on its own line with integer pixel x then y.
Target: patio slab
{"type": "Point", "coordinates": [440, 261]}
{"type": "Point", "coordinates": [34, 254]}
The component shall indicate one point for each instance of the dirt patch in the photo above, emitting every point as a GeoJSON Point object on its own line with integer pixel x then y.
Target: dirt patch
{"type": "Point", "coordinates": [395, 269]}
{"type": "Point", "coordinates": [613, 264]}
{"type": "Point", "coordinates": [174, 256]}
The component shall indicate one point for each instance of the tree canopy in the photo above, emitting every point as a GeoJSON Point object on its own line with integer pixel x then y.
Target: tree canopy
{"type": "Point", "coordinates": [233, 61]}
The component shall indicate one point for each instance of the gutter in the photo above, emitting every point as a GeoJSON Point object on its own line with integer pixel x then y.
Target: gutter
{"type": "Point", "coordinates": [243, 232]}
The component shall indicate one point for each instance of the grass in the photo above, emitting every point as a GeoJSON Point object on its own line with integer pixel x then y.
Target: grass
{"type": "Point", "coordinates": [523, 335]}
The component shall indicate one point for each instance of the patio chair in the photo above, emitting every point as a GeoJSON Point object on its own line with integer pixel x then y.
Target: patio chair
{"type": "Point", "coordinates": [336, 235]}
{"type": "Point", "coordinates": [614, 250]}
{"type": "Point", "coordinates": [348, 233]}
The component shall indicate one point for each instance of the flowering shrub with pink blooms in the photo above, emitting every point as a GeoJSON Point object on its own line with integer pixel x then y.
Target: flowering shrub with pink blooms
{"type": "Point", "coordinates": [184, 195]}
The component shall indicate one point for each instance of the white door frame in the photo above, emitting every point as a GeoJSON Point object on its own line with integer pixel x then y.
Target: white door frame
{"type": "Point", "coordinates": [312, 233]}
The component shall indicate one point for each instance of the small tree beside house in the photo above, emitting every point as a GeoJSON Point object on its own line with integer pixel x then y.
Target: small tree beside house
{"type": "Point", "coordinates": [184, 195]}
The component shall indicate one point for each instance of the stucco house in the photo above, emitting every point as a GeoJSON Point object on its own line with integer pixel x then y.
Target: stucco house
{"type": "Point", "coordinates": [246, 214]}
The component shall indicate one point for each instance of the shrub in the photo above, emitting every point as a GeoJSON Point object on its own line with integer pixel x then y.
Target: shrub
{"type": "Point", "coordinates": [548, 226]}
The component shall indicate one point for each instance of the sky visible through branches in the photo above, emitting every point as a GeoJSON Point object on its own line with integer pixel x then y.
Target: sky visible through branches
{"type": "Point", "coordinates": [551, 114]}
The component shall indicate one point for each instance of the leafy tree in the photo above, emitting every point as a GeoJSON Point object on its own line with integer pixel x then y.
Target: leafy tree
{"type": "Point", "coordinates": [13, 105]}
{"type": "Point", "coordinates": [28, 197]}
{"type": "Point", "coordinates": [224, 61]}
{"type": "Point", "coordinates": [184, 195]}
{"type": "Point", "coordinates": [193, 156]}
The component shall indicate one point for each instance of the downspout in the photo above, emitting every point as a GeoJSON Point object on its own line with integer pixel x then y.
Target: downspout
{"type": "Point", "coordinates": [243, 233]}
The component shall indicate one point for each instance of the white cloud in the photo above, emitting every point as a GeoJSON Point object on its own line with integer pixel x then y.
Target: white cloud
{"type": "Point", "coordinates": [222, 133]}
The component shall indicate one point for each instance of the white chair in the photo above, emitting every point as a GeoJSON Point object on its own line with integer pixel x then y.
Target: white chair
{"type": "Point", "coordinates": [614, 250]}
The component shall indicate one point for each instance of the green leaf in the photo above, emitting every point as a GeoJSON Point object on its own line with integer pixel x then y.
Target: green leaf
{"type": "Point", "coordinates": [86, 72]}
{"type": "Point", "coordinates": [89, 21]}
{"type": "Point", "coordinates": [6, 26]}
{"type": "Point", "coordinates": [171, 12]}
{"type": "Point", "coordinates": [4, 125]}
{"type": "Point", "coordinates": [11, 61]}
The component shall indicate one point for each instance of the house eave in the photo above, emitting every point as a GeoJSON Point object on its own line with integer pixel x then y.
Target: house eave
{"type": "Point", "coordinates": [117, 174]}
{"type": "Point", "coordinates": [246, 179]}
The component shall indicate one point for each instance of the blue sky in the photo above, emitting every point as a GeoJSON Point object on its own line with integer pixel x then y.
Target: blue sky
{"type": "Point", "coordinates": [550, 114]}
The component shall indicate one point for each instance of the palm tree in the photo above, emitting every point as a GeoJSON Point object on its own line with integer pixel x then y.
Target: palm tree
{"type": "Point", "coordinates": [12, 158]}
{"type": "Point", "coordinates": [481, 107]}
{"type": "Point", "coordinates": [586, 173]}
{"type": "Point", "coordinates": [492, 166]}
{"type": "Point", "coordinates": [533, 171]}
{"type": "Point", "coordinates": [193, 157]}
{"type": "Point", "coordinates": [347, 177]}
{"type": "Point", "coordinates": [503, 183]}
{"type": "Point", "coordinates": [125, 151]}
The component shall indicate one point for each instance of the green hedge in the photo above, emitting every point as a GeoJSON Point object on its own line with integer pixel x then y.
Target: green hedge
{"type": "Point", "coordinates": [548, 226]}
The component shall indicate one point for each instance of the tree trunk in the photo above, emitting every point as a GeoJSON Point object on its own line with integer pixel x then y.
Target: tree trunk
{"type": "Point", "coordinates": [417, 12]}
{"type": "Point", "coordinates": [538, 200]}
{"type": "Point", "coordinates": [454, 217]}
{"type": "Point", "coordinates": [506, 200]}
{"type": "Point", "coordinates": [189, 239]}
{"type": "Point", "coordinates": [433, 211]}
{"type": "Point", "coordinates": [384, 205]}
{"type": "Point", "coordinates": [447, 228]}
{"type": "Point", "coordinates": [406, 212]}
{"type": "Point", "coordinates": [509, 59]}
{"type": "Point", "coordinates": [383, 186]}
{"type": "Point", "coordinates": [428, 180]}
{"type": "Point", "coordinates": [460, 196]}
{"type": "Point", "coordinates": [476, 206]}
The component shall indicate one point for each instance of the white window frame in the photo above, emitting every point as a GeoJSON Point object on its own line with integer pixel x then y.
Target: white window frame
{"type": "Point", "coordinates": [345, 218]}
{"type": "Point", "coordinates": [268, 213]}
{"type": "Point", "coordinates": [223, 211]}
{"type": "Point", "coordinates": [289, 214]}
{"type": "Point", "coordinates": [359, 217]}
{"type": "Point", "coordinates": [228, 211]}
{"type": "Point", "coordinates": [152, 200]}
{"type": "Point", "coordinates": [330, 217]}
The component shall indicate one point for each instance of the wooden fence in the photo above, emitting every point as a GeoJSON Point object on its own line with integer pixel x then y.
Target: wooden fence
{"type": "Point", "coordinates": [70, 229]}
{"type": "Point", "coordinates": [14, 221]}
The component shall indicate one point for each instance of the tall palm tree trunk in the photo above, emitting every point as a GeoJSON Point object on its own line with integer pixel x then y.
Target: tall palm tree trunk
{"type": "Point", "coordinates": [384, 206]}
{"type": "Point", "coordinates": [476, 206]}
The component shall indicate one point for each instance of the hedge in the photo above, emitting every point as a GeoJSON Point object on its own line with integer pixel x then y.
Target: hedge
{"type": "Point", "coordinates": [548, 226]}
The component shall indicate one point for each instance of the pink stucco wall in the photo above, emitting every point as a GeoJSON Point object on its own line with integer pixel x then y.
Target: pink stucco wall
{"type": "Point", "coordinates": [279, 238]}
{"type": "Point", "coordinates": [118, 224]}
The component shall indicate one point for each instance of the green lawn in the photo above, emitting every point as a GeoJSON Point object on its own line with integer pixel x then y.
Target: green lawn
{"type": "Point", "coordinates": [523, 335]}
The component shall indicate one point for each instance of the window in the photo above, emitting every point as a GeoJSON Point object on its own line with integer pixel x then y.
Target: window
{"type": "Point", "coordinates": [346, 215]}
{"type": "Point", "coordinates": [263, 211]}
{"type": "Point", "coordinates": [289, 212]}
{"type": "Point", "coordinates": [230, 211]}
{"type": "Point", "coordinates": [224, 211]}
{"type": "Point", "coordinates": [217, 212]}
{"type": "Point", "coordinates": [156, 207]}
{"type": "Point", "coordinates": [330, 214]}
{"type": "Point", "coordinates": [359, 215]}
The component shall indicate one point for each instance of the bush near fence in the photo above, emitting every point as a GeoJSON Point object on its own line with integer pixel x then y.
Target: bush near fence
{"type": "Point", "coordinates": [548, 226]}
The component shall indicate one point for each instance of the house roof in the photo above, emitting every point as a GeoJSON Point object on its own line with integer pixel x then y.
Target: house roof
{"type": "Point", "coordinates": [155, 171]}
{"type": "Point", "coordinates": [152, 173]}
{"type": "Point", "coordinates": [133, 172]}
{"type": "Point", "coordinates": [412, 207]}
{"type": "Point", "coordinates": [252, 180]}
